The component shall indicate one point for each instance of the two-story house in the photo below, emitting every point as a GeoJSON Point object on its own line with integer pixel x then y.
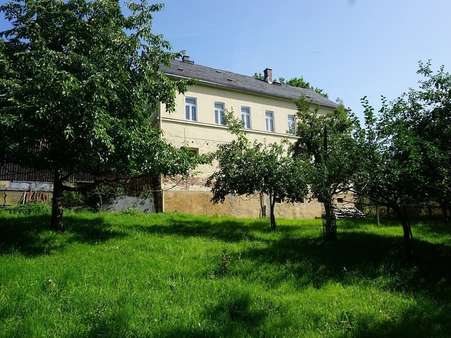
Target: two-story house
{"type": "Point", "coordinates": [268, 111]}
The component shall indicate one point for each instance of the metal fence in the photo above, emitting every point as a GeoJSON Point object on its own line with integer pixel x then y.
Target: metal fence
{"type": "Point", "coordinates": [15, 172]}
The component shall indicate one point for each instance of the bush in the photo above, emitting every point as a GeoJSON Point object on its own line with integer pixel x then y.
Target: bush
{"type": "Point", "coordinates": [101, 195]}
{"type": "Point", "coordinates": [93, 199]}
{"type": "Point", "coordinates": [73, 199]}
{"type": "Point", "coordinates": [32, 209]}
{"type": "Point", "coordinates": [131, 212]}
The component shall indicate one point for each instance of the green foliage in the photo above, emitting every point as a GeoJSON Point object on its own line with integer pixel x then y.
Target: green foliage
{"type": "Point", "coordinates": [391, 167]}
{"type": "Point", "coordinates": [430, 110]}
{"type": "Point", "coordinates": [248, 168]}
{"type": "Point", "coordinates": [223, 267]}
{"type": "Point", "coordinates": [31, 209]}
{"type": "Point", "coordinates": [101, 195]}
{"type": "Point", "coordinates": [131, 212]}
{"type": "Point", "coordinates": [154, 275]}
{"type": "Point", "coordinates": [301, 83]}
{"type": "Point", "coordinates": [80, 91]}
{"type": "Point", "coordinates": [406, 149]}
{"type": "Point", "coordinates": [328, 144]}
{"type": "Point", "coordinates": [406, 146]}
{"type": "Point", "coordinates": [259, 76]}
{"type": "Point", "coordinates": [80, 88]}
{"type": "Point", "coordinates": [73, 199]}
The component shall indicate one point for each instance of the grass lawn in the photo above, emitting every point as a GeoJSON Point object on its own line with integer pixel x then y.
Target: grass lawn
{"type": "Point", "coordinates": [136, 275]}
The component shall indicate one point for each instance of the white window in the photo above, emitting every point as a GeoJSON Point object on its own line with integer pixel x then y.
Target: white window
{"type": "Point", "coordinates": [269, 121]}
{"type": "Point", "coordinates": [246, 117]}
{"type": "Point", "coordinates": [219, 113]}
{"type": "Point", "coordinates": [191, 108]}
{"type": "Point", "coordinates": [292, 124]}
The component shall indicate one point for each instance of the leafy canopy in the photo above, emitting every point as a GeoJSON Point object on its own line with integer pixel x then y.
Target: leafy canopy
{"type": "Point", "coordinates": [327, 142]}
{"type": "Point", "coordinates": [406, 145]}
{"type": "Point", "coordinates": [299, 82]}
{"type": "Point", "coordinates": [248, 168]}
{"type": "Point", "coordinates": [80, 88]}
{"type": "Point", "coordinates": [407, 149]}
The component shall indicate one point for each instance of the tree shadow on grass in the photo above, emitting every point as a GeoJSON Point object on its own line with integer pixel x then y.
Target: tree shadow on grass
{"type": "Point", "coordinates": [30, 234]}
{"type": "Point", "coordinates": [436, 227]}
{"type": "Point", "coordinates": [348, 223]}
{"type": "Point", "coordinates": [355, 256]}
{"type": "Point", "coordinates": [360, 256]}
{"type": "Point", "coordinates": [234, 316]}
{"type": "Point", "coordinates": [226, 230]}
{"type": "Point", "coordinates": [415, 321]}
{"type": "Point", "coordinates": [427, 225]}
{"type": "Point", "coordinates": [111, 325]}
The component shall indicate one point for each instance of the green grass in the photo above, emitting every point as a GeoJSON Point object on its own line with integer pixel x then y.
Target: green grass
{"type": "Point", "coordinates": [136, 275]}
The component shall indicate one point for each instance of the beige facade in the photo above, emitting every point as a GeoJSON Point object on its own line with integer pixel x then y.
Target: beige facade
{"type": "Point", "coordinates": [204, 135]}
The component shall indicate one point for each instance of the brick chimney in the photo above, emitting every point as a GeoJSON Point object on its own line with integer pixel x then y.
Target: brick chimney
{"type": "Point", "coordinates": [267, 75]}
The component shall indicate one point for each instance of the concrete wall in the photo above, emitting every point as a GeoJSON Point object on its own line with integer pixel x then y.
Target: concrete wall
{"type": "Point", "coordinates": [199, 202]}
{"type": "Point", "coordinates": [14, 192]}
{"type": "Point", "coordinates": [192, 196]}
{"type": "Point", "coordinates": [10, 198]}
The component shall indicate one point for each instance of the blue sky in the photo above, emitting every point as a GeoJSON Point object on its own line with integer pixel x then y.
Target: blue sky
{"type": "Point", "coordinates": [351, 48]}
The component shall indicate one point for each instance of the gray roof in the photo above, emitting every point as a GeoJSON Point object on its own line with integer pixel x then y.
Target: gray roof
{"type": "Point", "coordinates": [235, 81]}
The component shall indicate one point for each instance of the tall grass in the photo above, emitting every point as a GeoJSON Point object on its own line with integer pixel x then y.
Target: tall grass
{"type": "Point", "coordinates": [169, 275]}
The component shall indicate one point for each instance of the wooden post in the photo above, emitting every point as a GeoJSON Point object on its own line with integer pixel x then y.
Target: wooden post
{"type": "Point", "coordinates": [377, 215]}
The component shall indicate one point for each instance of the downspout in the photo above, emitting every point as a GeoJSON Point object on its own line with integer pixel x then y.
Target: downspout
{"type": "Point", "coordinates": [160, 179]}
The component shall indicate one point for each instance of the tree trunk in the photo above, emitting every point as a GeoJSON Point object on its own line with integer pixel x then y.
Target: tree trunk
{"type": "Point", "coordinates": [272, 202]}
{"type": "Point", "coordinates": [408, 238]}
{"type": "Point", "coordinates": [445, 209]}
{"type": "Point", "coordinates": [330, 227]}
{"type": "Point", "coordinates": [377, 216]}
{"type": "Point", "coordinates": [57, 203]}
{"type": "Point", "coordinates": [262, 206]}
{"type": "Point", "coordinates": [407, 232]}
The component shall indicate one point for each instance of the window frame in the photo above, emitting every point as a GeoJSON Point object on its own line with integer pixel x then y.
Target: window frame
{"type": "Point", "coordinates": [190, 114]}
{"type": "Point", "coordinates": [270, 119]}
{"type": "Point", "coordinates": [219, 113]}
{"type": "Point", "coordinates": [291, 129]}
{"type": "Point", "coordinates": [244, 114]}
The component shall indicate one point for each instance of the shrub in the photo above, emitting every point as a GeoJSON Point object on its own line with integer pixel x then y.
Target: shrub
{"type": "Point", "coordinates": [32, 209]}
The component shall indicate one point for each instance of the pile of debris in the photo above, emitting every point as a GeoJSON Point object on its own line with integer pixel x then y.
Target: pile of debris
{"type": "Point", "coordinates": [348, 212]}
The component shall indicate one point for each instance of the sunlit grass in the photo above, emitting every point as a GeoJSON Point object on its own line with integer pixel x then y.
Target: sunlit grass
{"type": "Point", "coordinates": [132, 274]}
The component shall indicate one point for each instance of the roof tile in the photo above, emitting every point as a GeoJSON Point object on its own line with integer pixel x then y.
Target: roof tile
{"type": "Point", "coordinates": [244, 82]}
